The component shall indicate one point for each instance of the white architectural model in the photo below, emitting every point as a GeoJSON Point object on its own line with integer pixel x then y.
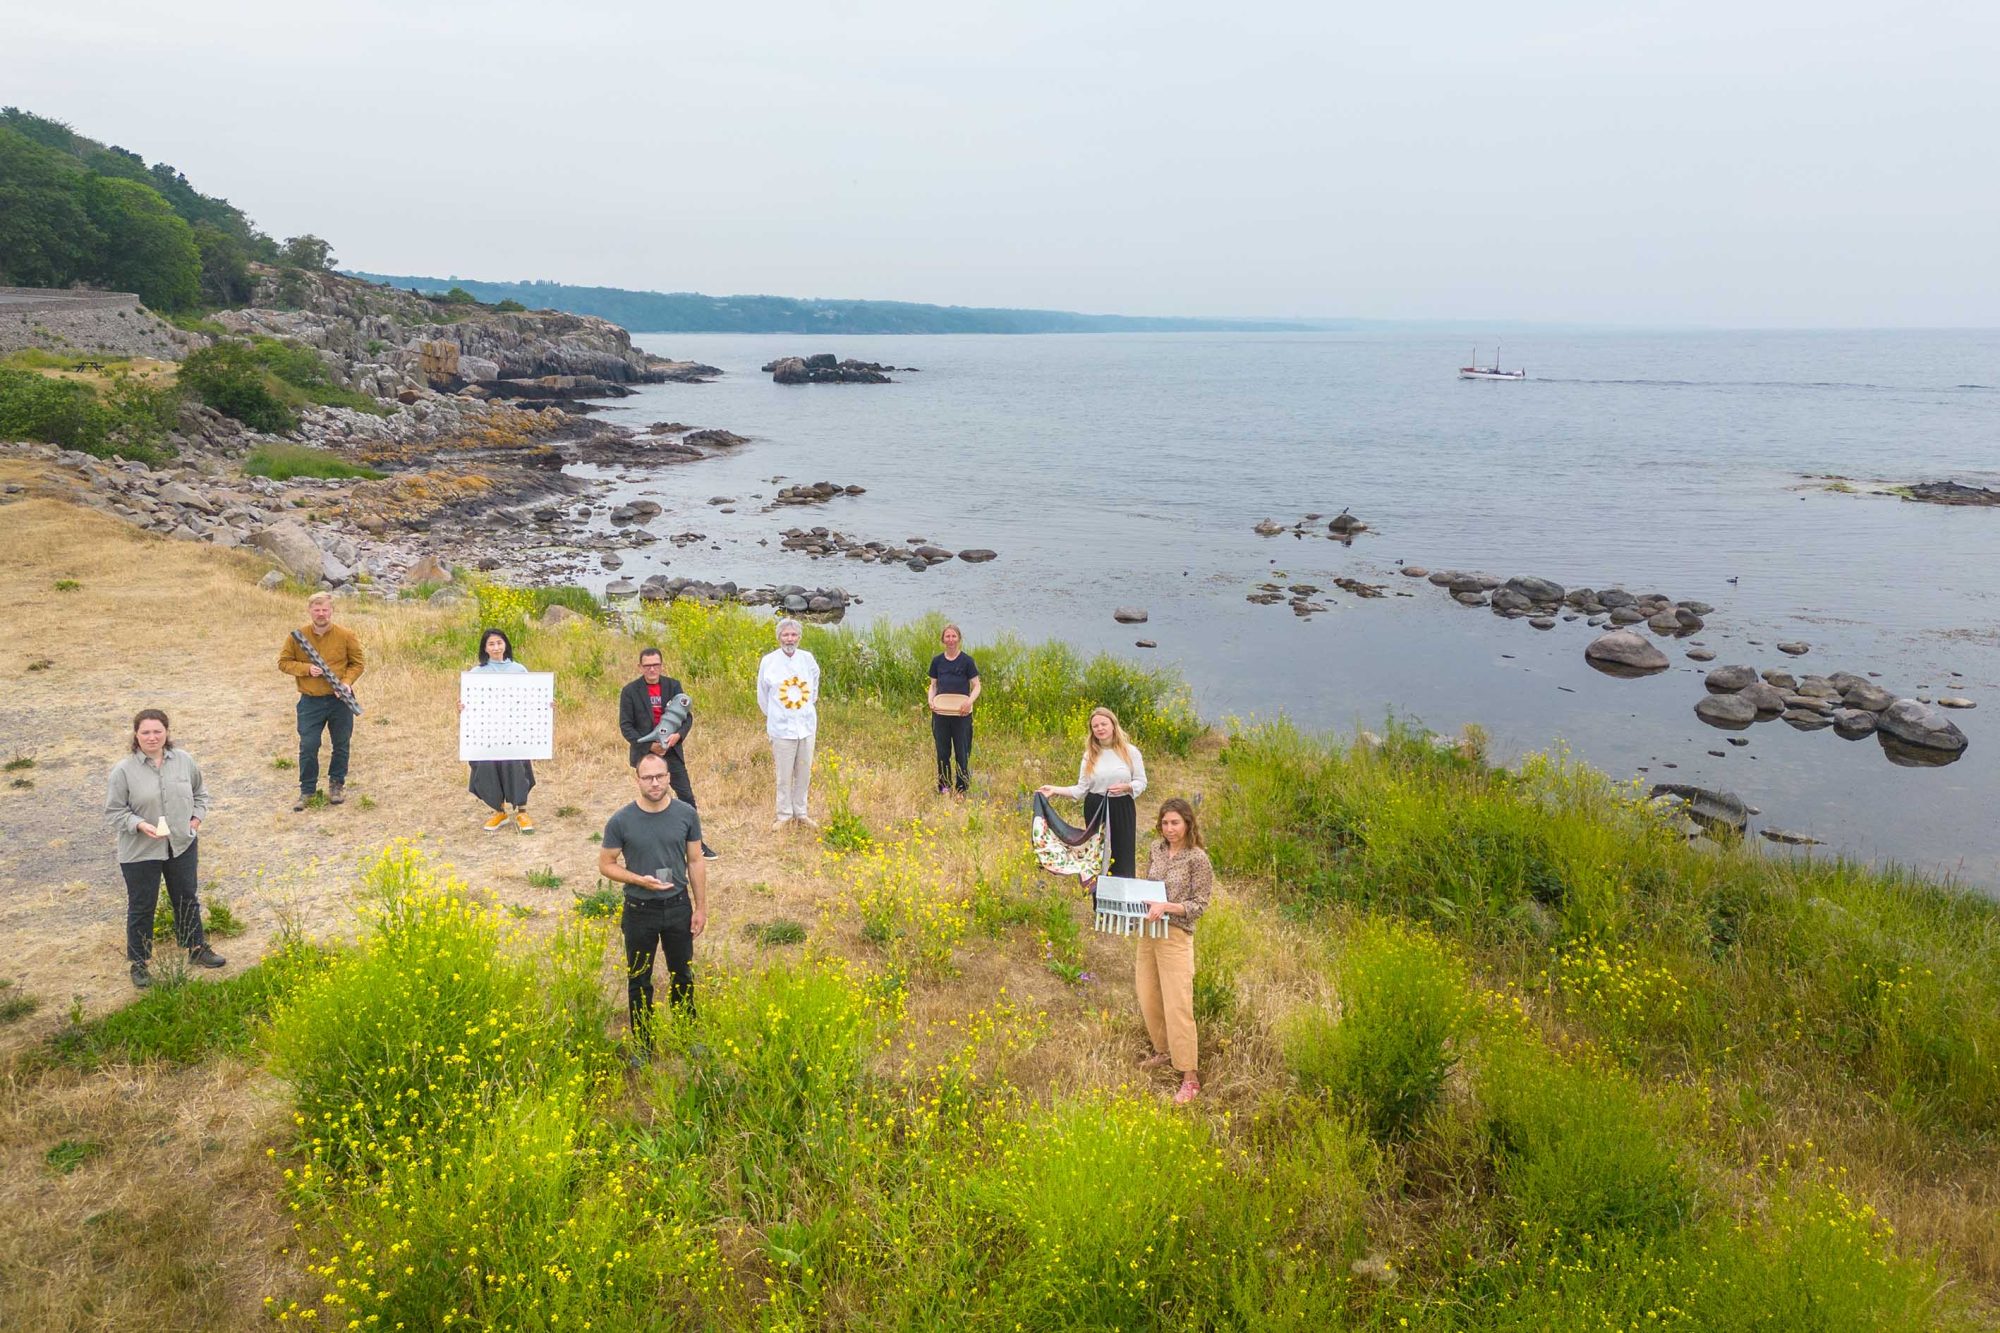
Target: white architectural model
{"type": "Point", "coordinates": [1121, 906]}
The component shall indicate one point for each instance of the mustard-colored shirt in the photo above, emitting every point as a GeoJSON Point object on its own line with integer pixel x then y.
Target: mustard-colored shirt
{"type": "Point", "coordinates": [339, 648]}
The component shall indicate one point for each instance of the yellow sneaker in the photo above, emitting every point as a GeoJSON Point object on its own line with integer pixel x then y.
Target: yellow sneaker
{"type": "Point", "coordinates": [522, 822]}
{"type": "Point", "coordinates": [498, 822]}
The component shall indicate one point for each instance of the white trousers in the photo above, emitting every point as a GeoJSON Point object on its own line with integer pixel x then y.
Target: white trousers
{"type": "Point", "coordinates": [793, 760]}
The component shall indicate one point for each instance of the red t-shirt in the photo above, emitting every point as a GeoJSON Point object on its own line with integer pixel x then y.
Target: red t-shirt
{"type": "Point", "coordinates": [659, 704]}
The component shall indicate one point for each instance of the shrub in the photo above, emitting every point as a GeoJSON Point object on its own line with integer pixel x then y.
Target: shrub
{"type": "Point", "coordinates": [779, 1058]}
{"type": "Point", "coordinates": [229, 378]}
{"type": "Point", "coordinates": [438, 1016]}
{"type": "Point", "coordinates": [907, 903]}
{"type": "Point", "coordinates": [129, 417]}
{"type": "Point", "coordinates": [1577, 1149]}
{"type": "Point", "coordinates": [1405, 1012]}
{"type": "Point", "coordinates": [1220, 945]}
{"type": "Point", "coordinates": [1105, 1212]}
{"type": "Point", "coordinates": [451, 1079]}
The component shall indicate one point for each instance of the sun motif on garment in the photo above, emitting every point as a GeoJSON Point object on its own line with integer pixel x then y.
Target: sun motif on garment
{"type": "Point", "coordinates": [794, 693]}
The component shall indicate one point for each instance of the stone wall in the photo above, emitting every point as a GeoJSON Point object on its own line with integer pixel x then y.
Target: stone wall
{"type": "Point", "coordinates": [110, 323]}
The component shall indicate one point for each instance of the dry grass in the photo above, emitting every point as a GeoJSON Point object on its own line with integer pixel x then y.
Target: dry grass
{"type": "Point", "coordinates": [177, 1218]}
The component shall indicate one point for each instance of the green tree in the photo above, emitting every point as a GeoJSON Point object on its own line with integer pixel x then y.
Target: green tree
{"type": "Point", "coordinates": [225, 268]}
{"type": "Point", "coordinates": [308, 252]}
{"type": "Point", "coordinates": [46, 237]}
{"type": "Point", "coordinates": [148, 248]}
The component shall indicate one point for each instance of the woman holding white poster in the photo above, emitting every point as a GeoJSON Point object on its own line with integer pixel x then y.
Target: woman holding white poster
{"type": "Point", "coordinates": [502, 783]}
{"type": "Point", "coordinates": [1163, 971]}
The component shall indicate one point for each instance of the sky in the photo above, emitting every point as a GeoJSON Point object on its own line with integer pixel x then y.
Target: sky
{"type": "Point", "coordinates": [1757, 163]}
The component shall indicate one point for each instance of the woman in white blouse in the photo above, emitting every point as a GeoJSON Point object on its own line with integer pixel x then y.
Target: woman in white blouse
{"type": "Point", "coordinates": [1112, 776]}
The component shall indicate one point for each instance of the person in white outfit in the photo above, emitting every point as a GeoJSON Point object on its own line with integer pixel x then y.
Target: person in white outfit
{"type": "Point", "coordinates": [1112, 776]}
{"type": "Point", "coordinates": [788, 692]}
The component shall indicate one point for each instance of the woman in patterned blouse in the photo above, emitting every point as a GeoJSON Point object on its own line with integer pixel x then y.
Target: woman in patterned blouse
{"type": "Point", "coordinates": [1163, 973]}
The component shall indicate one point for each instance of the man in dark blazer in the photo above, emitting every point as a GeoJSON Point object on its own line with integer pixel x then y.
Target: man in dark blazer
{"type": "Point", "coordinates": [639, 707]}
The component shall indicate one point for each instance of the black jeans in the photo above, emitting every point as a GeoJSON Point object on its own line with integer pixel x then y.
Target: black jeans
{"type": "Point", "coordinates": [668, 926]}
{"type": "Point", "coordinates": [1124, 821]}
{"type": "Point", "coordinates": [142, 899]}
{"type": "Point", "coordinates": [953, 738]}
{"type": "Point", "coordinates": [317, 711]}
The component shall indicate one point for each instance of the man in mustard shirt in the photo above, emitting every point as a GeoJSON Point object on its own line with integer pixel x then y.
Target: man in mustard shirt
{"type": "Point", "coordinates": [319, 708]}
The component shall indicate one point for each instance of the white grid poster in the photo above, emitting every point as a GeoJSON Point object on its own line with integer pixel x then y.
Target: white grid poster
{"type": "Point", "coordinates": [507, 715]}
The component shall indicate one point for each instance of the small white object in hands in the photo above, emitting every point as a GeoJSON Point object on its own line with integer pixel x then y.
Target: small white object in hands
{"type": "Point", "coordinates": [1121, 906]}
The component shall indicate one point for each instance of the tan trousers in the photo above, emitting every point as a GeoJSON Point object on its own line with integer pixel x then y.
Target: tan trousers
{"type": "Point", "coordinates": [793, 760]}
{"type": "Point", "coordinates": [1163, 974]}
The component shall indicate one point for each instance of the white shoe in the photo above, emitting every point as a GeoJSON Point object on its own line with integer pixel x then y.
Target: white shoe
{"type": "Point", "coordinates": [780, 821]}
{"type": "Point", "coordinates": [807, 820]}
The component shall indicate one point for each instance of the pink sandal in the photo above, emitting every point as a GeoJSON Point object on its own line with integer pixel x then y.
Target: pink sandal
{"type": "Point", "coordinates": [1158, 1060]}
{"type": "Point", "coordinates": [1190, 1089]}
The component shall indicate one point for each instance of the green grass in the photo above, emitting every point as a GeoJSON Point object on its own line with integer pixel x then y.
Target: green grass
{"type": "Point", "coordinates": [1719, 959]}
{"type": "Point", "coordinates": [545, 877]}
{"type": "Point", "coordinates": [70, 1154]}
{"type": "Point", "coordinates": [775, 933]}
{"type": "Point", "coordinates": [18, 763]}
{"type": "Point", "coordinates": [184, 1020]}
{"type": "Point", "coordinates": [219, 920]}
{"type": "Point", "coordinates": [41, 358]}
{"type": "Point", "coordinates": [14, 1008]}
{"type": "Point", "coordinates": [283, 462]}
{"type": "Point", "coordinates": [67, 585]}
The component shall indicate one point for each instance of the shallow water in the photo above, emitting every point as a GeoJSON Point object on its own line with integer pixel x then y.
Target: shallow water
{"type": "Point", "coordinates": [1130, 469]}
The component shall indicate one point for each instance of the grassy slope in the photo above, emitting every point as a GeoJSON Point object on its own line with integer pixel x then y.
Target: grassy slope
{"type": "Point", "coordinates": [1721, 1018]}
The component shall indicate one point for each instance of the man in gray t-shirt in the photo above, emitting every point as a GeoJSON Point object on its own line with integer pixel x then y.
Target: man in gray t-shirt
{"type": "Point", "coordinates": [658, 840]}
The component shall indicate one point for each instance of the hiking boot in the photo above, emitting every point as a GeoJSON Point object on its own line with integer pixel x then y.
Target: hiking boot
{"type": "Point", "coordinates": [206, 957]}
{"type": "Point", "coordinates": [141, 977]}
{"type": "Point", "coordinates": [300, 804]}
{"type": "Point", "coordinates": [522, 822]}
{"type": "Point", "coordinates": [708, 852]}
{"type": "Point", "coordinates": [499, 821]}
{"type": "Point", "coordinates": [336, 792]}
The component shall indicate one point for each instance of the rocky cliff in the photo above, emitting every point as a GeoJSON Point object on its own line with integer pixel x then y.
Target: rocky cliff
{"type": "Point", "coordinates": [374, 338]}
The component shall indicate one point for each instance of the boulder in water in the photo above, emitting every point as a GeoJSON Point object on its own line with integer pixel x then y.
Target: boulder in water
{"type": "Point", "coordinates": [1622, 649]}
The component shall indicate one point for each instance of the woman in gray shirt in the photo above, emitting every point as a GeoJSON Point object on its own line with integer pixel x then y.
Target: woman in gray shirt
{"type": "Point", "coordinates": [155, 806]}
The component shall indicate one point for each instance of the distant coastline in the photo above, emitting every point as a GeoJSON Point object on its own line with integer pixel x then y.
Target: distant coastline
{"type": "Point", "coordinates": [692, 312]}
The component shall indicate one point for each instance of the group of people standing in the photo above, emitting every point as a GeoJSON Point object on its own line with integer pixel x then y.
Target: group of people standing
{"type": "Point", "coordinates": [655, 847]}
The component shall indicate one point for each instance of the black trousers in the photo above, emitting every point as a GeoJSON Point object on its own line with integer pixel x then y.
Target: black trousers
{"type": "Point", "coordinates": [1124, 821]}
{"type": "Point", "coordinates": [319, 712]}
{"type": "Point", "coordinates": [142, 899]}
{"type": "Point", "coordinates": [666, 926]}
{"type": "Point", "coordinates": [953, 738]}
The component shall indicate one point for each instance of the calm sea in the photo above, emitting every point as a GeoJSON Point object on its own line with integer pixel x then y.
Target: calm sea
{"type": "Point", "coordinates": [1130, 470]}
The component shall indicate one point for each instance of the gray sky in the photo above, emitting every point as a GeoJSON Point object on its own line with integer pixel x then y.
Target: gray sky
{"type": "Point", "coordinates": [1758, 163]}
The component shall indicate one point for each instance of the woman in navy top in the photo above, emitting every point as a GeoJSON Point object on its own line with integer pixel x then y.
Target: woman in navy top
{"type": "Point", "coordinates": [952, 672]}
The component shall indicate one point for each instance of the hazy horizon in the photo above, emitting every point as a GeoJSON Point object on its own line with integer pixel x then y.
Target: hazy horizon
{"type": "Point", "coordinates": [1791, 166]}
